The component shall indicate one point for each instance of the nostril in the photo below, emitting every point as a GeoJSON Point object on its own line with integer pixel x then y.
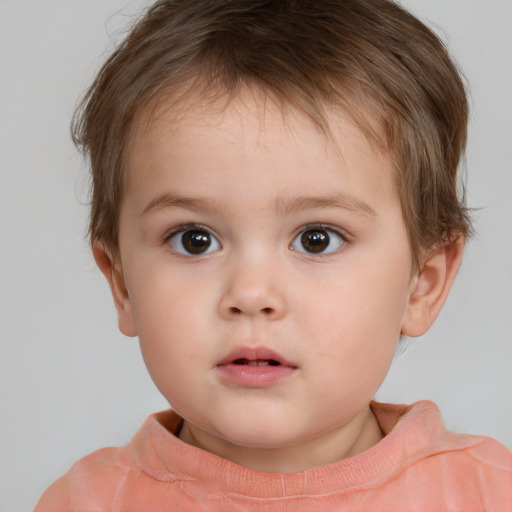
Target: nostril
{"type": "Point", "coordinates": [235, 311]}
{"type": "Point", "coordinates": [267, 311]}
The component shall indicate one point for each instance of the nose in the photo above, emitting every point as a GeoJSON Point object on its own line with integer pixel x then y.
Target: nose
{"type": "Point", "coordinates": [252, 290]}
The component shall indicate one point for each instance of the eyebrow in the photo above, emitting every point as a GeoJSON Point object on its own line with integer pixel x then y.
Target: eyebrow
{"type": "Point", "coordinates": [188, 203]}
{"type": "Point", "coordinates": [283, 206]}
{"type": "Point", "coordinates": [343, 201]}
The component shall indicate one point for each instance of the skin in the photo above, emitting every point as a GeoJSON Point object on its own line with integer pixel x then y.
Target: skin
{"type": "Point", "coordinates": [255, 180]}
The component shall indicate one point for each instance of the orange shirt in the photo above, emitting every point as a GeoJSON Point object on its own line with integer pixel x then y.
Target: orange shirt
{"type": "Point", "coordinates": [418, 466]}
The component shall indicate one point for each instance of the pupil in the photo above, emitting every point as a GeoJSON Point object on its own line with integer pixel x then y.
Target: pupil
{"type": "Point", "coordinates": [196, 242]}
{"type": "Point", "coordinates": [315, 240]}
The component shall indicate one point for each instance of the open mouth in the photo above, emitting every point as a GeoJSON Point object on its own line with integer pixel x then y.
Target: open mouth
{"type": "Point", "coordinates": [252, 357]}
{"type": "Point", "coordinates": [256, 362]}
{"type": "Point", "coordinates": [255, 367]}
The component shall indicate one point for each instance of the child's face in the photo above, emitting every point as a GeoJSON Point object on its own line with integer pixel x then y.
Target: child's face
{"type": "Point", "coordinates": [245, 237]}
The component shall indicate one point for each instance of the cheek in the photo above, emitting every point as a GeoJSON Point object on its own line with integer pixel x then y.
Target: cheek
{"type": "Point", "coordinates": [163, 296]}
{"type": "Point", "coordinates": [358, 317]}
{"type": "Point", "coordinates": [169, 313]}
{"type": "Point", "coordinates": [172, 346]}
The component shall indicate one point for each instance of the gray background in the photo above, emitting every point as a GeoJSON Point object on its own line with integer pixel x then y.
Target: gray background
{"type": "Point", "coordinates": [70, 383]}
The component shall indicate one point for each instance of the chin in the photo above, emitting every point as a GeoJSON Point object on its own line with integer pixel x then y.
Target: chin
{"type": "Point", "coordinates": [264, 436]}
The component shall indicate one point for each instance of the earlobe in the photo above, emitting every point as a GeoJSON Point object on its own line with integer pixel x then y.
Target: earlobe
{"type": "Point", "coordinates": [113, 272]}
{"type": "Point", "coordinates": [431, 286]}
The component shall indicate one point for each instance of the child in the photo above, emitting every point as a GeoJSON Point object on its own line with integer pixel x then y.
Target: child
{"type": "Point", "coordinates": [274, 204]}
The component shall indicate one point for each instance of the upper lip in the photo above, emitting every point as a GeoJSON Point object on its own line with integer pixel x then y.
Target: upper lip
{"type": "Point", "coordinates": [256, 354]}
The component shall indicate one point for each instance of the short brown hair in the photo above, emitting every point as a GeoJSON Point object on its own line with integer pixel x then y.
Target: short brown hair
{"type": "Point", "coordinates": [370, 57]}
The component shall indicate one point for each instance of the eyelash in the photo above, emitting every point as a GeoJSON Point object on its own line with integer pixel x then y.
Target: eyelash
{"type": "Point", "coordinates": [321, 227]}
{"type": "Point", "coordinates": [181, 229]}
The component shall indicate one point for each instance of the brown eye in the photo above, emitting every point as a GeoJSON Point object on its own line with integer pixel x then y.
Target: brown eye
{"type": "Point", "coordinates": [318, 241]}
{"type": "Point", "coordinates": [315, 240]}
{"type": "Point", "coordinates": [194, 242]}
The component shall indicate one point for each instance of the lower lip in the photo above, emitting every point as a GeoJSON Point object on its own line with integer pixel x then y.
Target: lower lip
{"type": "Point", "coordinates": [254, 376]}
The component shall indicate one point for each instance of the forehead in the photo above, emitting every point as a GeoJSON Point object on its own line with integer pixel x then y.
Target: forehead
{"type": "Point", "coordinates": [195, 103]}
{"type": "Point", "coordinates": [199, 140]}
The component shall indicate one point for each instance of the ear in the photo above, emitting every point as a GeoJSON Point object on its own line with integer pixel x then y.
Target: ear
{"type": "Point", "coordinates": [431, 286]}
{"type": "Point", "coordinates": [112, 269]}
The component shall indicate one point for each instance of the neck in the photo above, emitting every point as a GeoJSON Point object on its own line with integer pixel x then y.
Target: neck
{"type": "Point", "coordinates": [349, 440]}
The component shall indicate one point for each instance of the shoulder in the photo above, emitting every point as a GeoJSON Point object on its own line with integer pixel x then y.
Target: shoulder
{"type": "Point", "coordinates": [120, 478]}
{"type": "Point", "coordinates": [468, 471]}
{"type": "Point", "coordinates": [476, 451]}
{"type": "Point", "coordinates": [487, 452]}
{"type": "Point", "coordinates": [477, 459]}
{"type": "Point", "coordinates": [420, 428]}
{"type": "Point", "coordinates": [473, 472]}
{"type": "Point", "coordinates": [92, 481]}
